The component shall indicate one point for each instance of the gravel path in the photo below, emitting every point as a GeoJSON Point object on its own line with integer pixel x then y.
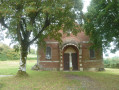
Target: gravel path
{"type": "Point", "coordinates": [5, 75]}
{"type": "Point", "coordinates": [87, 83]}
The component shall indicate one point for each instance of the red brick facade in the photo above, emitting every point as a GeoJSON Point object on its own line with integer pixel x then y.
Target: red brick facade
{"type": "Point", "coordinates": [79, 45]}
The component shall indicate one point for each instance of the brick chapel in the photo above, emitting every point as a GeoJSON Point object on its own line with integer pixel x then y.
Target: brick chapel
{"type": "Point", "coordinates": [72, 54]}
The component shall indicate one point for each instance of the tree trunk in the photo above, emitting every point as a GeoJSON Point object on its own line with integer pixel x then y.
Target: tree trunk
{"type": "Point", "coordinates": [23, 58]}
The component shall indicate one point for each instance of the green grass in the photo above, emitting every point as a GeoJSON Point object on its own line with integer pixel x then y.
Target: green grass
{"type": "Point", "coordinates": [108, 79]}
{"type": "Point", "coordinates": [53, 80]}
{"type": "Point", "coordinates": [42, 80]}
{"type": "Point", "coordinates": [11, 67]}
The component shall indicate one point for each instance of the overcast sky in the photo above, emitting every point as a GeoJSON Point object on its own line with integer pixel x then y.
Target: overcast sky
{"type": "Point", "coordinates": [86, 4]}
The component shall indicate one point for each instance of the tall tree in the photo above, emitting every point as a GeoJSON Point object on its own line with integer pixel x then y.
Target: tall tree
{"type": "Point", "coordinates": [28, 20]}
{"type": "Point", "coordinates": [102, 23]}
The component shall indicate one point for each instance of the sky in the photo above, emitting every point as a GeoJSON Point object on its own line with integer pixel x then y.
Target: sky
{"type": "Point", "coordinates": [86, 4]}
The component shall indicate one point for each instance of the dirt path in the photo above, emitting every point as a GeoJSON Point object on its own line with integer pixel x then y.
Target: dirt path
{"type": "Point", "coordinates": [87, 83]}
{"type": "Point", "coordinates": [5, 75]}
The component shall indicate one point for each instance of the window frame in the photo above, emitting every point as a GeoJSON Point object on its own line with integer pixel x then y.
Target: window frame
{"type": "Point", "coordinates": [50, 53]}
{"type": "Point", "coordinates": [94, 56]}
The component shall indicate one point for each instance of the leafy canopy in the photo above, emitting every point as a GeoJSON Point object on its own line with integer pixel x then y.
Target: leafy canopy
{"type": "Point", "coordinates": [28, 20]}
{"type": "Point", "coordinates": [102, 23]}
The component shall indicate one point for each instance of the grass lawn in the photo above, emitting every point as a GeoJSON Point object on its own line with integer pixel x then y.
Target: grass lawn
{"type": "Point", "coordinates": [54, 80]}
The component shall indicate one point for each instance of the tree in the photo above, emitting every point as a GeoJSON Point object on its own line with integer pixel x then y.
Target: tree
{"type": "Point", "coordinates": [7, 53]}
{"type": "Point", "coordinates": [28, 20]}
{"type": "Point", "coordinates": [101, 23]}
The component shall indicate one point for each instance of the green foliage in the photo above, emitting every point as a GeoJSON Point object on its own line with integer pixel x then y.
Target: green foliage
{"type": "Point", "coordinates": [101, 23]}
{"type": "Point", "coordinates": [32, 51]}
{"type": "Point", "coordinates": [111, 62]}
{"type": "Point", "coordinates": [7, 53]}
{"type": "Point", "coordinates": [35, 16]}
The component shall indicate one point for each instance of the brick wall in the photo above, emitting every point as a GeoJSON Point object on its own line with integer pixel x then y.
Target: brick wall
{"type": "Point", "coordinates": [86, 61]}
{"type": "Point", "coordinates": [49, 65]}
{"type": "Point", "coordinates": [54, 53]}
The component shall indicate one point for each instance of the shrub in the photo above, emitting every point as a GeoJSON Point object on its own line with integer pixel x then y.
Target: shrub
{"type": "Point", "coordinates": [117, 65]}
{"type": "Point", "coordinates": [32, 51]}
{"type": "Point", "coordinates": [7, 53]}
{"type": "Point", "coordinates": [111, 62]}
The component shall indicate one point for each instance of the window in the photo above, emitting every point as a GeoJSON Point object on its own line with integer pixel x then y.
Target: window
{"type": "Point", "coordinates": [48, 52]}
{"type": "Point", "coordinates": [92, 53]}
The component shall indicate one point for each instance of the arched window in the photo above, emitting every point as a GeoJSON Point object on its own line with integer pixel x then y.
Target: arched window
{"type": "Point", "coordinates": [48, 52]}
{"type": "Point", "coordinates": [92, 53]}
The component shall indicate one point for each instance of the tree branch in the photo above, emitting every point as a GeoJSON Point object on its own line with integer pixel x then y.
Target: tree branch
{"type": "Point", "coordinates": [22, 29]}
{"type": "Point", "coordinates": [46, 24]}
{"type": "Point", "coordinates": [25, 33]}
{"type": "Point", "coordinates": [3, 22]}
{"type": "Point", "coordinates": [37, 36]}
{"type": "Point", "coordinates": [19, 33]}
{"type": "Point", "coordinates": [24, 21]}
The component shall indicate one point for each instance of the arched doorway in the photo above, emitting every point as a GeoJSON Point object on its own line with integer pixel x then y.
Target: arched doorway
{"type": "Point", "coordinates": [70, 58]}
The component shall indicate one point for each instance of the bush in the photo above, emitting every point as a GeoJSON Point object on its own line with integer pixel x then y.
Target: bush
{"type": "Point", "coordinates": [12, 55]}
{"type": "Point", "coordinates": [7, 53]}
{"type": "Point", "coordinates": [117, 65]}
{"type": "Point", "coordinates": [111, 62]}
{"type": "Point", "coordinates": [3, 57]}
{"type": "Point", "coordinates": [32, 51]}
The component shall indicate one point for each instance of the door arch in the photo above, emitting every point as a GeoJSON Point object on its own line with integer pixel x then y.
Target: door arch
{"type": "Point", "coordinates": [70, 57]}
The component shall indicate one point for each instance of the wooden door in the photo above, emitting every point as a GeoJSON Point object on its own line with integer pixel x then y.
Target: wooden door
{"type": "Point", "coordinates": [66, 61]}
{"type": "Point", "coordinates": [74, 61]}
